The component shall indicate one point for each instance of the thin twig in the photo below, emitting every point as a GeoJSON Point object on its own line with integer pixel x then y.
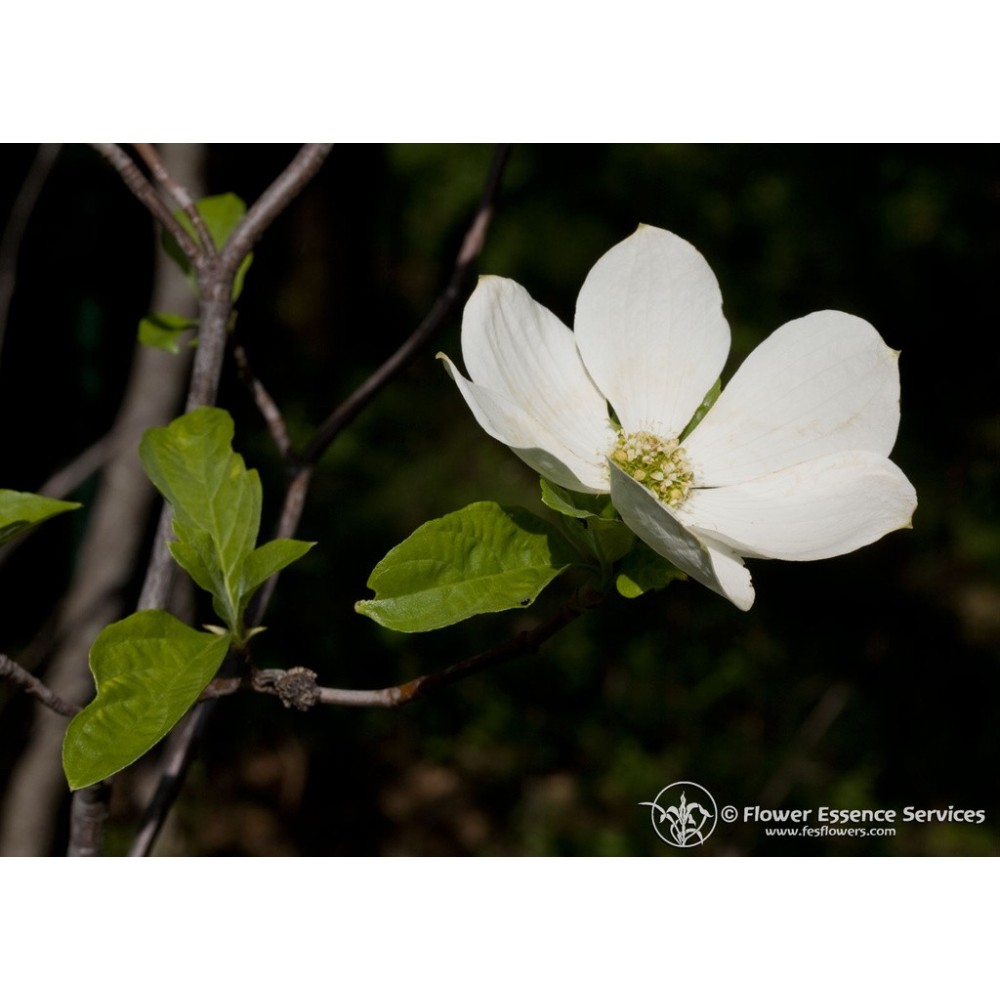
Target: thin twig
{"type": "Point", "coordinates": [301, 470]}
{"type": "Point", "coordinates": [172, 774]}
{"type": "Point", "coordinates": [17, 223]}
{"type": "Point", "coordinates": [297, 687]}
{"type": "Point", "coordinates": [241, 241]}
{"type": "Point", "coordinates": [469, 253]}
{"type": "Point", "coordinates": [19, 676]}
{"type": "Point", "coordinates": [150, 197]}
{"type": "Point", "coordinates": [215, 282]}
{"type": "Point", "coordinates": [522, 644]}
{"type": "Point", "coordinates": [269, 410]}
{"type": "Point", "coordinates": [151, 157]}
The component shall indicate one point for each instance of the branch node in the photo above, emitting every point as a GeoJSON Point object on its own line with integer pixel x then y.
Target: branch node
{"type": "Point", "coordinates": [296, 688]}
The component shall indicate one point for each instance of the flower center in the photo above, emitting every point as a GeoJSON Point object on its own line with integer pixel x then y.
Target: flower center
{"type": "Point", "coordinates": [660, 465]}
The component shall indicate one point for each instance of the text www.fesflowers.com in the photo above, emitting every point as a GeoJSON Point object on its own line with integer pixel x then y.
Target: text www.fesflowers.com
{"type": "Point", "coordinates": [829, 831]}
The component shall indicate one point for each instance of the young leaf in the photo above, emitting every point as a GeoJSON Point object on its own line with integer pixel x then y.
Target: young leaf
{"type": "Point", "coordinates": [222, 213]}
{"type": "Point", "coordinates": [578, 505]}
{"type": "Point", "coordinates": [149, 669]}
{"type": "Point", "coordinates": [20, 511]}
{"type": "Point", "coordinates": [591, 523]}
{"type": "Point", "coordinates": [265, 562]}
{"type": "Point", "coordinates": [165, 331]}
{"type": "Point", "coordinates": [479, 559]}
{"type": "Point", "coordinates": [216, 501]}
{"type": "Point", "coordinates": [643, 570]}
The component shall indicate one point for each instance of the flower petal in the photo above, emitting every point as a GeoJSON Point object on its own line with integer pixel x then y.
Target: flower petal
{"type": "Point", "coordinates": [522, 352]}
{"type": "Point", "coordinates": [650, 329]}
{"type": "Point", "coordinates": [817, 386]}
{"type": "Point", "coordinates": [533, 442]}
{"type": "Point", "coordinates": [814, 510]}
{"type": "Point", "coordinates": [714, 565]}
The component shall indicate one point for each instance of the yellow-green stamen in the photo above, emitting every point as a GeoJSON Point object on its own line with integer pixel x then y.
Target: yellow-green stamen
{"type": "Point", "coordinates": [660, 465]}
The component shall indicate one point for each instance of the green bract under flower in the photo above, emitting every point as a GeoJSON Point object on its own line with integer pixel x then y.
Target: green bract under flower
{"type": "Point", "coordinates": [791, 462]}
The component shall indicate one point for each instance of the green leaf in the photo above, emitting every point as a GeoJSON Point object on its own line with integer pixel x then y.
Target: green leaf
{"type": "Point", "coordinates": [216, 501]}
{"type": "Point", "coordinates": [222, 213]}
{"type": "Point", "coordinates": [149, 669]}
{"type": "Point", "coordinates": [578, 505]}
{"type": "Point", "coordinates": [265, 562]}
{"type": "Point", "coordinates": [480, 559]}
{"type": "Point", "coordinates": [643, 570]}
{"type": "Point", "coordinates": [165, 331]}
{"type": "Point", "coordinates": [592, 524]}
{"type": "Point", "coordinates": [20, 511]}
{"type": "Point", "coordinates": [706, 404]}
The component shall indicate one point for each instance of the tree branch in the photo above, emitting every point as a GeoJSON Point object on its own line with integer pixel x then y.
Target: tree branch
{"type": "Point", "coordinates": [268, 408]}
{"type": "Point", "coordinates": [297, 688]}
{"type": "Point", "coordinates": [172, 774]}
{"type": "Point", "coordinates": [215, 284]}
{"type": "Point", "coordinates": [469, 253]}
{"type": "Point", "coordinates": [150, 197]}
{"type": "Point", "coordinates": [177, 191]}
{"type": "Point", "coordinates": [30, 683]}
{"type": "Point", "coordinates": [86, 821]}
{"type": "Point", "coordinates": [522, 644]}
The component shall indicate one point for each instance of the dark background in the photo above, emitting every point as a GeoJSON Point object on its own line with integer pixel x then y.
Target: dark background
{"type": "Point", "coordinates": [867, 681]}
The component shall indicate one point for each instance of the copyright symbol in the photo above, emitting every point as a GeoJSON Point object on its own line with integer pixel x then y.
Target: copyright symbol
{"type": "Point", "coordinates": [730, 814]}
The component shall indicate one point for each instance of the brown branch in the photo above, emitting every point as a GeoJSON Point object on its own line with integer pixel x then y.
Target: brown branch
{"type": "Point", "coordinates": [302, 468]}
{"type": "Point", "coordinates": [469, 253]}
{"type": "Point", "coordinates": [18, 675]}
{"type": "Point", "coordinates": [88, 812]}
{"type": "Point", "coordinates": [151, 157]}
{"type": "Point", "coordinates": [268, 408]}
{"type": "Point", "coordinates": [216, 286]}
{"type": "Point", "coordinates": [172, 774]}
{"type": "Point", "coordinates": [150, 197]}
{"type": "Point", "coordinates": [522, 644]}
{"type": "Point", "coordinates": [215, 282]}
{"type": "Point", "coordinates": [297, 688]}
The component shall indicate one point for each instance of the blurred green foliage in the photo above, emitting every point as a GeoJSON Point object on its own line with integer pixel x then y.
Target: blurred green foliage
{"type": "Point", "coordinates": [868, 681]}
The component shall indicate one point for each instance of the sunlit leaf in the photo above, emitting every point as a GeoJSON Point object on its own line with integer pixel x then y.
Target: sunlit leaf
{"type": "Point", "coordinates": [579, 505]}
{"type": "Point", "coordinates": [480, 559]}
{"type": "Point", "coordinates": [221, 213]}
{"type": "Point", "coordinates": [216, 501]}
{"type": "Point", "coordinates": [265, 562]}
{"type": "Point", "coordinates": [149, 669]}
{"type": "Point", "coordinates": [216, 504]}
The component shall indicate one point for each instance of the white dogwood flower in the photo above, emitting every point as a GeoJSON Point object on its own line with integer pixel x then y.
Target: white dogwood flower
{"type": "Point", "coordinates": [791, 462]}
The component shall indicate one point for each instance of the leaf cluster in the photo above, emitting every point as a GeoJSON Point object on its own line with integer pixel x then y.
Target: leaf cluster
{"type": "Point", "coordinates": [151, 668]}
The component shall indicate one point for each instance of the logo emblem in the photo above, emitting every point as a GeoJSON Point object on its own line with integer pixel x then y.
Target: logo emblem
{"type": "Point", "coordinates": [683, 814]}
